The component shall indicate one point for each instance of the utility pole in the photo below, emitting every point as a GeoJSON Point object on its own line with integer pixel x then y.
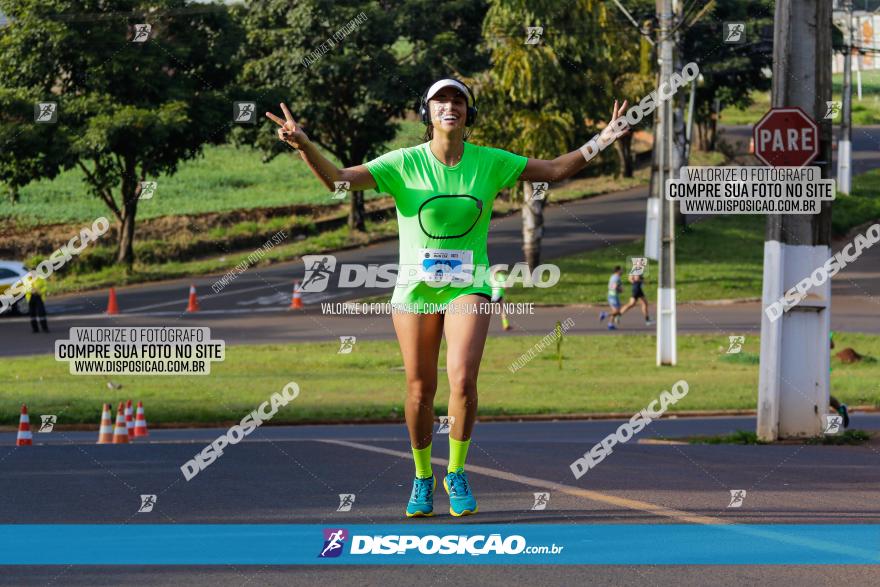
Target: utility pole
{"type": "Point", "coordinates": [793, 377]}
{"type": "Point", "coordinates": [678, 125]}
{"type": "Point", "coordinates": [689, 128]}
{"type": "Point", "coordinates": [663, 142]}
{"type": "Point", "coordinates": [844, 145]}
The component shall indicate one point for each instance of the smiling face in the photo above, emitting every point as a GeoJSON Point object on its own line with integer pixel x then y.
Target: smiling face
{"type": "Point", "coordinates": [448, 110]}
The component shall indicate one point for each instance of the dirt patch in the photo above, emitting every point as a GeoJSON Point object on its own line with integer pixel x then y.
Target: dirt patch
{"type": "Point", "coordinates": [848, 355]}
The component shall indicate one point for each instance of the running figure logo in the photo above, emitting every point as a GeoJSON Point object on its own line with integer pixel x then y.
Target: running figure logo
{"type": "Point", "coordinates": [737, 496]}
{"type": "Point", "coordinates": [833, 107]}
{"type": "Point", "coordinates": [147, 503]}
{"type": "Point", "coordinates": [533, 35]}
{"type": "Point", "coordinates": [736, 344]}
{"type": "Point", "coordinates": [541, 501]}
{"type": "Point", "coordinates": [334, 541]}
{"type": "Point", "coordinates": [341, 189]}
{"type": "Point", "coordinates": [446, 423]}
{"type": "Point", "coordinates": [319, 268]}
{"type": "Point", "coordinates": [244, 112]}
{"type": "Point", "coordinates": [346, 500]}
{"type": "Point", "coordinates": [734, 32]}
{"type": "Point", "coordinates": [148, 188]}
{"type": "Point", "coordinates": [539, 189]}
{"type": "Point", "coordinates": [833, 422]}
{"type": "Point", "coordinates": [346, 344]}
{"type": "Point", "coordinates": [48, 423]}
{"type": "Point", "coordinates": [46, 112]}
{"type": "Point", "coordinates": [639, 264]}
{"type": "Point", "coordinates": [141, 33]}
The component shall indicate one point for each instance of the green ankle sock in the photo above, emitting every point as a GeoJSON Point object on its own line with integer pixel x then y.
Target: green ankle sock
{"type": "Point", "coordinates": [422, 457]}
{"type": "Point", "coordinates": [457, 454]}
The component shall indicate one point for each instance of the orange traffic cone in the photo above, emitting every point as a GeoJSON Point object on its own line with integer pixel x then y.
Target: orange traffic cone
{"type": "Point", "coordinates": [752, 146]}
{"type": "Point", "coordinates": [296, 302]}
{"type": "Point", "coordinates": [112, 307]}
{"type": "Point", "coordinates": [24, 437]}
{"type": "Point", "coordinates": [129, 419]}
{"type": "Point", "coordinates": [120, 432]}
{"type": "Point", "coordinates": [140, 424]}
{"type": "Point", "coordinates": [193, 300]}
{"type": "Point", "coordinates": [105, 433]}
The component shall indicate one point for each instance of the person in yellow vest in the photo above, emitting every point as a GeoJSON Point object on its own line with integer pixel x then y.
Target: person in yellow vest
{"type": "Point", "coordinates": [36, 292]}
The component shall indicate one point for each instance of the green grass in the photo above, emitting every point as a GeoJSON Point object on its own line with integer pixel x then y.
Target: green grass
{"type": "Point", "coordinates": [738, 437]}
{"type": "Point", "coordinates": [849, 437]}
{"type": "Point", "coordinates": [866, 111]}
{"type": "Point", "coordinates": [94, 269]}
{"type": "Point", "coordinates": [863, 205]}
{"type": "Point", "coordinates": [600, 374]}
{"type": "Point", "coordinates": [224, 178]}
{"type": "Point", "coordinates": [145, 272]}
{"type": "Point", "coordinates": [705, 268]}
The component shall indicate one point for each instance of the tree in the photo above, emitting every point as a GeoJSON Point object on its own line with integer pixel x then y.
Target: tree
{"type": "Point", "coordinates": [126, 111]}
{"type": "Point", "coordinates": [632, 72]}
{"type": "Point", "coordinates": [536, 98]}
{"type": "Point", "coordinates": [348, 70]}
{"type": "Point", "coordinates": [730, 73]}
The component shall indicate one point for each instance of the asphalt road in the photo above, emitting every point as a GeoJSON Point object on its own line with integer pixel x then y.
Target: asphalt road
{"type": "Point", "coordinates": [253, 308]}
{"type": "Point", "coordinates": [293, 475]}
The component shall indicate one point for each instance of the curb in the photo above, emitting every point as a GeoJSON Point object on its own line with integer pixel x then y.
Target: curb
{"type": "Point", "coordinates": [660, 442]}
{"type": "Point", "coordinates": [492, 418]}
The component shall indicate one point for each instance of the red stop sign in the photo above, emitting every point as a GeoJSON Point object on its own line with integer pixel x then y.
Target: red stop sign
{"type": "Point", "coordinates": [786, 137]}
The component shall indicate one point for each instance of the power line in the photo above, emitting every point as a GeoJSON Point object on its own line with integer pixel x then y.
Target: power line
{"type": "Point", "coordinates": [633, 21]}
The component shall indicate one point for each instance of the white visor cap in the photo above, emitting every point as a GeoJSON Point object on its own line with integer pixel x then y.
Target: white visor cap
{"type": "Point", "coordinates": [445, 83]}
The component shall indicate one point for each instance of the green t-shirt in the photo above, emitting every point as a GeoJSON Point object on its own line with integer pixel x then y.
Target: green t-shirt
{"type": "Point", "coordinates": [443, 216]}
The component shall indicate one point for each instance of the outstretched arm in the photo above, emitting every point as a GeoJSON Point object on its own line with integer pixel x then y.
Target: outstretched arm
{"type": "Point", "coordinates": [567, 165]}
{"type": "Point", "coordinates": [358, 177]}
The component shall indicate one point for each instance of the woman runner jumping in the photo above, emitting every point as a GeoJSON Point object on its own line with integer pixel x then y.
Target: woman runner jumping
{"type": "Point", "coordinates": [443, 190]}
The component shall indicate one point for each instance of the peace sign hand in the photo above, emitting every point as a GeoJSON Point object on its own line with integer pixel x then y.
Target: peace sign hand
{"type": "Point", "coordinates": [610, 132]}
{"type": "Point", "coordinates": [290, 131]}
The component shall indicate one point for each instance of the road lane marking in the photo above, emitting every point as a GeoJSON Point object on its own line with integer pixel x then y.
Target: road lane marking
{"type": "Point", "coordinates": [621, 502]}
{"type": "Point", "coordinates": [745, 531]}
{"type": "Point", "coordinates": [741, 531]}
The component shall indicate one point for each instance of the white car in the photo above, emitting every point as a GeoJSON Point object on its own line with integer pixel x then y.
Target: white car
{"type": "Point", "coordinates": [11, 272]}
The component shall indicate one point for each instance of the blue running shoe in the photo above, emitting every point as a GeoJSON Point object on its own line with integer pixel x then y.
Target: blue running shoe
{"type": "Point", "coordinates": [611, 326]}
{"type": "Point", "coordinates": [421, 502]}
{"type": "Point", "coordinates": [602, 316]}
{"type": "Point", "coordinates": [461, 501]}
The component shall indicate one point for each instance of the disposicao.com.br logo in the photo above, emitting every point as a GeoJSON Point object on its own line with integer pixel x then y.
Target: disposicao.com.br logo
{"type": "Point", "coordinates": [431, 544]}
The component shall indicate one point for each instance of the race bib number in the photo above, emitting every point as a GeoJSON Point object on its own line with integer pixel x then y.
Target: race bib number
{"type": "Point", "coordinates": [446, 266]}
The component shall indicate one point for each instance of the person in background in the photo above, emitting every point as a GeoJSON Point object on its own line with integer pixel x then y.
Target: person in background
{"type": "Point", "coordinates": [638, 294]}
{"type": "Point", "coordinates": [833, 401]}
{"type": "Point", "coordinates": [36, 292]}
{"type": "Point", "coordinates": [614, 289]}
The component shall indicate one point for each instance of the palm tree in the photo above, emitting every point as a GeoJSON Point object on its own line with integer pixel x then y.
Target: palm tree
{"type": "Point", "coordinates": [536, 98]}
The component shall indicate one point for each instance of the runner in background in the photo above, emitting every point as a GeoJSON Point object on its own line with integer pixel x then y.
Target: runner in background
{"type": "Point", "coordinates": [638, 294]}
{"type": "Point", "coordinates": [614, 289]}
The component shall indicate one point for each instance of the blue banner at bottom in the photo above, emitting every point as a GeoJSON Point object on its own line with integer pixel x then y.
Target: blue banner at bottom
{"type": "Point", "coordinates": [487, 544]}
